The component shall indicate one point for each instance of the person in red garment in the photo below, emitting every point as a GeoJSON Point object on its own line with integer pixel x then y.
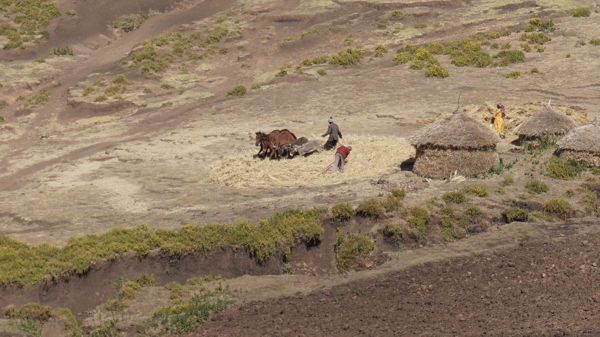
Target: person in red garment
{"type": "Point", "coordinates": [340, 158]}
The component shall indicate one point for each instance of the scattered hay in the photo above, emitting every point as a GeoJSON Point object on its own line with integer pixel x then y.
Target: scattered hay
{"type": "Point", "coordinates": [370, 157]}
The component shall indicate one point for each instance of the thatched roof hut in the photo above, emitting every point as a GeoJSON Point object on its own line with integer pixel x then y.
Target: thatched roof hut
{"type": "Point", "coordinates": [455, 142]}
{"type": "Point", "coordinates": [545, 122]}
{"type": "Point", "coordinates": [582, 143]}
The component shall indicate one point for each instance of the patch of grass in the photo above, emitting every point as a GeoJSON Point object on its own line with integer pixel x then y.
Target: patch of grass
{"type": "Point", "coordinates": [392, 203]}
{"type": "Point", "coordinates": [558, 207]}
{"type": "Point", "coordinates": [513, 74]}
{"type": "Point", "coordinates": [595, 42]}
{"type": "Point", "coordinates": [3, 104]}
{"type": "Point", "coordinates": [342, 212]}
{"type": "Point", "coordinates": [535, 38]}
{"type": "Point", "coordinates": [581, 12]}
{"type": "Point", "coordinates": [88, 90]}
{"type": "Point", "coordinates": [516, 214]}
{"type": "Point", "coordinates": [239, 91]}
{"type": "Point", "coordinates": [287, 268]}
{"type": "Point", "coordinates": [166, 86]}
{"type": "Point", "coordinates": [456, 197]}
{"type": "Point", "coordinates": [62, 51]}
{"type": "Point", "coordinates": [508, 181]}
{"type": "Point", "coordinates": [536, 187]}
{"type": "Point", "coordinates": [507, 57]}
{"type": "Point", "coordinates": [181, 318]}
{"type": "Point", "coordinates": [419, 219]}
{"type": "Point", "coordinates": [337, 299]}
{"type": "Point", "coordinates": [526, 47]}
{"type": "Point", "coordinates": [477, 191]}
{"type": "Point", "coordinates": [371, 208]}
{"type": "Point", "coordinates": [114, 90]}
{"type": "Point", "coordinates": [347, 57]}
{"type": "Point", "coordinates": [31, 316]}
{"type": "Point", "coordinates": [41, 98]}
{"type": "Point", "coordinates": [22, 264]}
{"type": "Point", "coordinates": [360, 292]}
{"type": "Point", "coordinates": [255, 86]}
{"type": "Point", "coordinates": [500, 191]}
{"type": "Point", "coordinates": [349, 40]}
{"type": "Point", "coordinates": [147, 90]}
{"type": "Point", "coordinates": [564, 169]}
{"type": "Point", "coordinates": [402, 58]}
{"type": "Point", "coordinates": [352, 248]}
{"type": "Point", "coordinates": [321, 72]}
{"type": "Point", "coordinates": [571, 272]}
{"type": "Point", "coordinates": [132, 22]}
{"type": "Point", "coordinates": [120, 79]}
{"type": "Point", "coordinates": [396, 14]}
{"type": "Point", "coordinates": [70, 13]}
{"type": "Point", "coordinates": [589, 200]}
{"type": "Point", "coordinates": [420, 25]}
{"type": "Point", "coordinates": [535, 71]}
{"type": "Point", "coordinates": [100, 98]}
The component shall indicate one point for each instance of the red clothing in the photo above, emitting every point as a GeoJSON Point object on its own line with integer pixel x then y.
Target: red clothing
{"type": "Point", "coordinates": [343, 151]}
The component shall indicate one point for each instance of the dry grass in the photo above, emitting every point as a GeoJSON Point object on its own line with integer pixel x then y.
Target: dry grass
{"type": "Point", "coordinates": [370, 157]}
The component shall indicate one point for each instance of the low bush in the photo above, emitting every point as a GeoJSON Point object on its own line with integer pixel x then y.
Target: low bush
{"type": "Point", "coordinates": [399, 193]}
{"type": "Point", "coordinates": [536, 187]}
{"type": "Point", "coordinates": [513, 74]}
{"type": "Point", "coordinates": [435, 70]}
{"type": "Point", "coordinates": [347, 57]}
{"type": "Point", "coordinates": [3, 104]}
{"type": "Point", "coordinates": [114, 90]}
{"type": "Point", "coordinates": [581, 12]}
{"type": "Point", "coordinates": [238, 90]}
{"type": "Point", "coordinates": [420, 25]}
{"type": "Point", "coordinates": [507, 57]}
{"type": "Point", "coordinates": [508, 181]}
{"type": "Point", "coordinates": [595, 42]}
{"type": "Point", "coordinates": [564, 169]}
{"type": "Point", "coordinates": [535, 38]}
{"type": "Point", "coordinates": [516, 214]}
{"type": "Point", "coordinates": [394, 232]}
{"type": "Point", "coordinates": [120, 79]}
{"type": "Point", "coordinates": [419, 219]}
{"type": "Point", "coordinates": [255, 86]}
{"type": "Point", "coordinates": [40, 98]}
{"type": "Point", "coordinates": [457, 197]}
{"type": "Point", "coordinates": [342, 211]}
{"type": "Point", "coordinates": [282, 72]}
{"type": "Point", "coordinates": [380, 51]}
{"type": "Point", "coordinates": [321, 72]}
{"type": "Point", "coordinates": [558, 207]}
{"type": "Point", "coordinates": [100, 98]}
{"type": "Point", "coordinates": [352, 248]}
{"type": "Point", "coordinates": [287, 268]}
{"type": "Point", "coordinates": [62, 51]}
{"type": "Point", "coordinates": [392, 203]}
{"type": "Point", "coordinates": [474, 214]}
{"type": "Point", "coordinates": [371, 208]}
{"type": "Point", "coordinates": [589, 200]}
{"type": "Point", "coordinates": [477, 191]}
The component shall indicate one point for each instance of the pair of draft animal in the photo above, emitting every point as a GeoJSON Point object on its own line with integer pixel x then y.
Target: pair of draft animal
{"type": "Point", "coordinates": [278, 143]}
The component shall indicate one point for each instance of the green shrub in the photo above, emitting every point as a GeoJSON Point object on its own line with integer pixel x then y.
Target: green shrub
{"type": "Point", "coordinates": [399, 193]}
{"type": "Point", "coordinates": [402, 58]}
{"type": "Point", "coordinates": [392, 203]}
{"type": "Point", "coordinates": [351, 249]}
{"type": "Point", "coordinates": [474, 213]}
{"type": "Point", "coordinates": [507, 57]}
{"type": "Point", "coordinates": [347, 57]}
{"type": "Point", "coordinates": [371, 208]}
{"type": "Point", "coordinates": [396, 14]}
{"type": "Point", "coordinates": [100, 98]}
{"type": "Point", "coordinates": [115, 305]}
{"type": "Point", "coordinates": [535, 38]}
{"type": "Point", "coordinates": [536, 187]}
{"type": "Point", "coordinates": [448, 231]}
{"type": "Point", "coordinates": [595, 42]}
{"type": "Point", "coordinates": [478, 191]}
{"type": "Point", "coordinates": [526, 47]}
{"type": "Point", "coordinates": [500, 191]}
{"type": "Point", "coordinates": [320, 59]}
{"type": "Point", "coordinates": [342, 212]}
{"type": "Point", "coordinates": [146, 280]}
{"type": "Point", "coordinates": [349, 40]}
{"type": "Point", "coordinates": [513, 74]}
{"type": "Point", "coordinates": [457, 197]}
{"type": "Point", "coordinates": [564, 169]}
{"type": "Point", "coordinates": [255, 86]}
{"type": "Point", "coordinates": [147, 91]}
{"type": "Point", "coordinates": [508, 181]}
{"type": "Point", "coordinates": [282, 72]}
{"type": "Point", "coordinates": [40, 98]}
{"type": "Point", "coordinates": [535, 71]}
{"type": "Point", "coordinates": [394, 232]}
{"type": "Point", "coordinates": [435, 70]}
{"type": "Point", "coordinates": [558, 207]}
{"type": "Point", "coordinates": [581, 12]}
{"type": "Point", "coordinates": [120, 79]}
{"type": "Point", "coordinates": [417, 65]}
{"type": "Point", "coordinates": [3, 104]}
{"type": "Point", "coordinates": [589, 200]}
{"type": "Point", "coordinates": [239, 90]}
{"type": "Point", "coordinates": [419, 219]}
{"type": "Point", "coordinates": [70, 13]}
{"type": "Point", "coordinates": [114, 90]}
{"type": "Point", "coordinates": [420, 25]}
{"type": "Point", "coordinates": [62, 51]}
{"type": "Point", "coordinates": [321, 72]}
{"type": "Point", "coordinates": [380, 50]}
{"type": "Point", "coordinates": [516, 214]}
{"type": "Point", "coordinates": [88, 90]}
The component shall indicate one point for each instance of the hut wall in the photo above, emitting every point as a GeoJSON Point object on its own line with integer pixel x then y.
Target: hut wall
{"type": "Point", "coordinates": [587, 158]}
{"type": "Point", "coordinates": [440, 163]}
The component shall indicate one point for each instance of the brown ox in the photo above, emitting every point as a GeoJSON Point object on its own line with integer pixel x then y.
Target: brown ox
{"type": "Point", "coordinates": [273, 140]}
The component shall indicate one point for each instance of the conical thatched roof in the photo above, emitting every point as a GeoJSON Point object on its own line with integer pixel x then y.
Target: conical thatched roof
{"type": "Point", "coordinates": [545, 122]}
{"type": "Point", "coordinates": [585, 138]}
{"type": "Point", "coordinates": [456, 131]}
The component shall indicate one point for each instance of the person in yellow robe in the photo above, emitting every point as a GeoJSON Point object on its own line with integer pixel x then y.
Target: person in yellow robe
{"type": "Point", "coordinates": [499, 120]}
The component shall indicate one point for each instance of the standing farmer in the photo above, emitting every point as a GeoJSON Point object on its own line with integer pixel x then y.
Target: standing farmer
{"type": "Point", "coordinates": [340, 158]}
{"type": "Point", "coordinates": [499, 120]}
{"type": "Point", "coordinates": [333, 131]}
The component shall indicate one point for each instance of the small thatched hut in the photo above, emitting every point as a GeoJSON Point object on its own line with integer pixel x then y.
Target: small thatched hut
{"type": "Point", "coordinates": [545, 122]}
{"type": "Point", "coordinates": [582, 143]}
{"type": "Point", "coordinates": [456, 142]}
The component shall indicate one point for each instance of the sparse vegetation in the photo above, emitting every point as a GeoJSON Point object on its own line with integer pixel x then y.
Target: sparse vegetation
{"type": "Point", "coordinates": [435, 70]}
{"type": "Point", "coordinates": [342, 212]}
{"type": "Point", "coordinates": [380, 50]}
{"type": "Point", "coordinates": [321, 72]}
{"type": "Point", "coordinates": [420, 25]}
{"type": "Point", "coordinates": [536, 187]}
{"type": "Point", "coordinates": [120, 79]}
{"type": "Point", "coordinates": [477, 191]}
{"type": "Point", "coordinates": [513, 74]}
{"type": "Point", "coordinates": [535, 71]}
{"type": "Point", "coordinates": [287, 268]}
{"type": "Point", "coordinates": [419, 219]}
{"type": "Point", "coordinates": [132, 22]}
{"type": "Point", "coordinates": [558, 207]}
{"type": "Point", "coordinates": [394, 232]}
{"type": "Point", "coordinates": [255, 86]}
{"type": "Point", "coordinates": [3, 104]}
{"type": "Point", "coordinates": [396, 14]}
{"type": "Point", "coordinates": [100, 98]}
{"type": "Point", "coordinates": [41, 98]}
{"type": "Point", "coordinates": [239, 91]}
{"type": "Point", "coordinates": [282, 72]}
{"type": "Point", "coordinates": [595, 42]}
